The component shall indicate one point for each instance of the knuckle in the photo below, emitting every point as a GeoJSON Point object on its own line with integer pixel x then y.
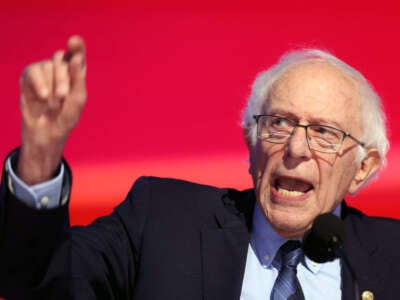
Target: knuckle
{"type": "Point", "coordinates": [58, 55]}
{"type": "Point", "coordinates": [47, 65]}
{"type": "Point", "coordinates": [29, 71]}
{"type": "Point", "coordinates": [29, 75]}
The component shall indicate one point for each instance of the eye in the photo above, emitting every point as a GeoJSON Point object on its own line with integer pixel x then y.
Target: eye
{"type": "Point", "coordinates": [326, 134]}
{"type": "Point", "coordinates": [280, 123]}
{"type": "Point", "coordinates": [321, 130]}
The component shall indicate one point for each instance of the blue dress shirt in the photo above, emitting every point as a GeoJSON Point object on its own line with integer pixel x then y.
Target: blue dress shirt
{"type": "Point", "coordinates": [318, 281]}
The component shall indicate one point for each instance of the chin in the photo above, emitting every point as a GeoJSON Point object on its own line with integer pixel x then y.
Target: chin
{"type": "Point", "coordinates": [289, 225]}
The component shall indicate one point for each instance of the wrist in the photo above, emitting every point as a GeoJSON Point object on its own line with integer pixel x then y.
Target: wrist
{"type": "Point", "coordinates": [36, 164]}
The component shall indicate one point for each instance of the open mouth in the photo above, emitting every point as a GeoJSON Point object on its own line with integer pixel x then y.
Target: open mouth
{"type": "Point", "coordinates": [291, 187]}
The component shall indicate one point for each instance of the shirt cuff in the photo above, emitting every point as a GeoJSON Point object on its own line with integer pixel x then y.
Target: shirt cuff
{"type": "Point", "coordinates": [44, 195]}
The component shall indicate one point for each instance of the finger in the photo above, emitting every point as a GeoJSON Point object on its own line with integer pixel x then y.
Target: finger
{"type": "Point", "coordinates": [37, 79]}
{"type": "Point", "coordinates": [76, 58]}
{"type": "Point", "coordinates": [47, 74]}
{"type": "Point", "coordinates": [77, 71]}
{"type": "Point", "coordinates": [61, 76]}
{"type": "Point", "coordinates": [48, 71]}
{"type": "Point", "coordinates": [75, 45]}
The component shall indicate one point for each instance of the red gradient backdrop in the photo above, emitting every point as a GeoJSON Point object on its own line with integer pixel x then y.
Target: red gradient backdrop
{"type": "Point", "coordinates": [167, 81]}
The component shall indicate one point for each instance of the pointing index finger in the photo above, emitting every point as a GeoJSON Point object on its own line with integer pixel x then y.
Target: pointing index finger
{"type": "Point", "coordinates": [75, 45]}
{"type": "Point", "coordinates": [76, 60]}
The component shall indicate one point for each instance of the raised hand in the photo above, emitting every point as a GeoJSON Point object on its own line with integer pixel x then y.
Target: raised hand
{"type": "Point", "coordinates": [53, 94]}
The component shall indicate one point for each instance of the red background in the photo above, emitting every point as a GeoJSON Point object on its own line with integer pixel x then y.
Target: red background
{"type": "Point", "coordinates": [167, 81]}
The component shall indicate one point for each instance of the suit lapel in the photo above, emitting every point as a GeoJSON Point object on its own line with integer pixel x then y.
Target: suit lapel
{"type": "Point", "coordinates": [224, 249]}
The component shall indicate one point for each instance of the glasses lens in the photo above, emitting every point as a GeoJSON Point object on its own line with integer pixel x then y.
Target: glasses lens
{"type": "Point", "coordinates": [324, 139]}
{"type": "Point", "coordinates": [274, 129]}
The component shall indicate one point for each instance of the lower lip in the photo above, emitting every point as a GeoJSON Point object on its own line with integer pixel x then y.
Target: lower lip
{"type": "Point", "coordinates": [281, 197]}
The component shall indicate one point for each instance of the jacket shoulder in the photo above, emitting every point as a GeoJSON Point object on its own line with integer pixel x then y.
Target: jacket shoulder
{"type": "Point", "coordinates": [383, 231]}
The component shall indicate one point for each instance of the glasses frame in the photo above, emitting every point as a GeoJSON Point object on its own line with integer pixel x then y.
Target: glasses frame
{"type": "Point", "coordinates": [297, 124]}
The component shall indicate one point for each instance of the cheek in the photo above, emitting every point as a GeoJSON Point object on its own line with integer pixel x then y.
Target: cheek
{"type": "Point", "coordinates": [328, 188]}
{"type": "Point", "coordinates": [334, 182]}
{"type": "Point", "coordinates": [262, 162]}
{"type": "Point", "coordinates": [346, 179]}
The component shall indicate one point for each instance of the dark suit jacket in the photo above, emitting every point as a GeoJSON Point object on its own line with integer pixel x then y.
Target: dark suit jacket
{"type": "Point", "coordinates": [169, 239]}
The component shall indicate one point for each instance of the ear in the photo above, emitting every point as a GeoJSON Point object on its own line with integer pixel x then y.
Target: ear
{"type": "Point", "coordinates": [368, 167]}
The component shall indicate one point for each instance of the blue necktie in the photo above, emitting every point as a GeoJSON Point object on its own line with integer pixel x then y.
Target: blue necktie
{"type": "Point", "coordinates": [287, 286]}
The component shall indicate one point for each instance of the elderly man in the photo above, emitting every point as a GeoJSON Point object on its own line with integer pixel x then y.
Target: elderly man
{"type": "Point", "coordinates": [315, 132]}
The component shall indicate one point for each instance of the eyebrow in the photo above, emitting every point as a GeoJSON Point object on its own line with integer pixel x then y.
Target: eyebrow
{"type": "Point", "coordinates": [316, 121]}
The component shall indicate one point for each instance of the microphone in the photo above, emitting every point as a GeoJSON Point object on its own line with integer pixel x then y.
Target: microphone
{"type": "Point", "coordinates": [324, 242]}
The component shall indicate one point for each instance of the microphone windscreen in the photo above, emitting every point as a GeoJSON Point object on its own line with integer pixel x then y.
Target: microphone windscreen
{"type": "Point", "coordinates": [326, 235]}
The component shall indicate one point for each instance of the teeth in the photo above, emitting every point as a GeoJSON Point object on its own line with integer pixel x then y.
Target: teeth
{"type": "Point", "coordinates": [288, 193]}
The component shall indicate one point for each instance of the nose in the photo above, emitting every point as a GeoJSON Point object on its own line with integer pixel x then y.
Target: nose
{"type": "Point", "coordinates": [297, 146]}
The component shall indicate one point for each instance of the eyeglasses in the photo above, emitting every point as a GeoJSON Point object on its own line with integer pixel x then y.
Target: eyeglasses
{"type": "Point", "coordinates": [321, 138]}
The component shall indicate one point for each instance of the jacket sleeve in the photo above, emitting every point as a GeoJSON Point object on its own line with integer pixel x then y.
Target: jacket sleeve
{"type": "Point", "coordinates": [42, 257]}
{"type": "Point", "coordinates": [105, 255]}
{"type": "Point", "coordinates": [28, 240]}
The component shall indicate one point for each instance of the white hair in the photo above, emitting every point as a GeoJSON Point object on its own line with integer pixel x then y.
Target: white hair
{"type": "Point", "coordinates": [372, 115]}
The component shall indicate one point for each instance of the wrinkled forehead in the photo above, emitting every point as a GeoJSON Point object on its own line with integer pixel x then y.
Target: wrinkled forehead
{"type": "Point", "coordinates": [316, 90]}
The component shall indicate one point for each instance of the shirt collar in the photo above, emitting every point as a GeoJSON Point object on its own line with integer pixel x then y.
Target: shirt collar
{"type": "Point", "coordinates": [266, 242]}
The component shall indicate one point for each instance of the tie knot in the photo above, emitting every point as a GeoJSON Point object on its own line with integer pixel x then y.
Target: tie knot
{"type": "Point", "coordinates": [290, 254]}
